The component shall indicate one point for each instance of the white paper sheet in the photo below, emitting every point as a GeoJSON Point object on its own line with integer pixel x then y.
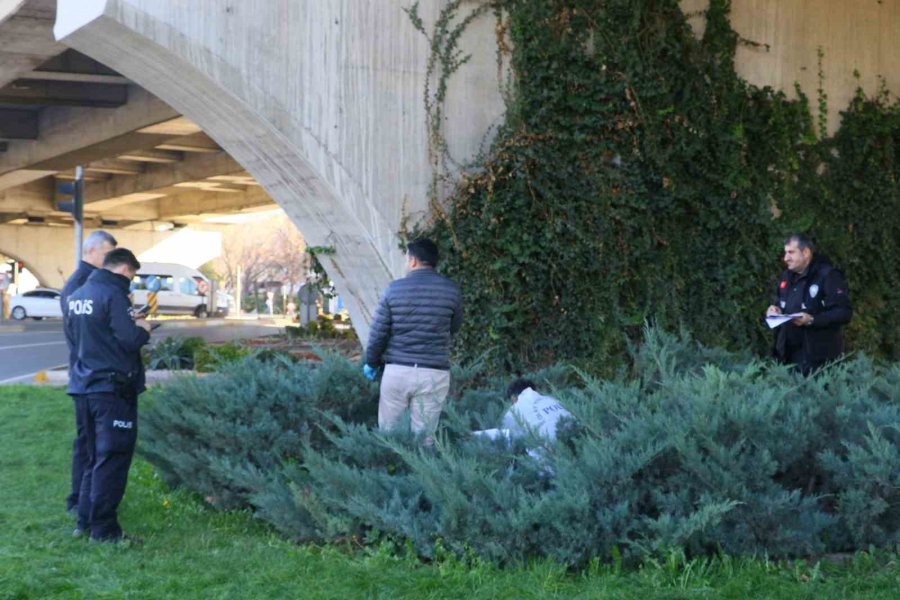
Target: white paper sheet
{"type": "Point", "coordinates": [774, 321]}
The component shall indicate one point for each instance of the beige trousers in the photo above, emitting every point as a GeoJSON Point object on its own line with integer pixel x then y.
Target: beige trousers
{"type": "Point", "coordinates": [420, 390]}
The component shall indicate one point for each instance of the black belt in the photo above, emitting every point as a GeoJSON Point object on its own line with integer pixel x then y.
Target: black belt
{"type": "Point", "coordinates": [417, 365]}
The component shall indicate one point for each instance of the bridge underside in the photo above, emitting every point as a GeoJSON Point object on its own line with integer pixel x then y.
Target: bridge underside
{"type": "Point", "coordinates": [146, 166]}
{"type": "Point", "coordinates": [322, 104]}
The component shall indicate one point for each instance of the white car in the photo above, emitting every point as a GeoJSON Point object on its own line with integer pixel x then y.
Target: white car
{"type": "Point", "coordinates": [36, 304]}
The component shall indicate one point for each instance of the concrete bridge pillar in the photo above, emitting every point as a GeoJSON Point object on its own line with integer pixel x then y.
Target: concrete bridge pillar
{"type": "Point", "coordinates": [321, 100]}
{"type": "Point", "coordinates": [50, 254]}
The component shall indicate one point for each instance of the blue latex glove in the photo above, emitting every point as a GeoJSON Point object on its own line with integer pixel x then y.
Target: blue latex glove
{"type": "Point", "coordinates": [370, 373]}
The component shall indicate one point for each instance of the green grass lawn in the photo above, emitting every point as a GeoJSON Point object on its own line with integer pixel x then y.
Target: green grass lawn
{"type": "Point", "coordinates": [191, 551]}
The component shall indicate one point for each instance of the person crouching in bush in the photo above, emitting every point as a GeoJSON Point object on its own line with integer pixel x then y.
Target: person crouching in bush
{"type": "Point", "coordinates": [530, 414]}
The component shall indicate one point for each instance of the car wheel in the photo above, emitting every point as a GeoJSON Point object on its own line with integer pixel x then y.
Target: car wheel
{"type": "Point", "coordinates": [18, 313]}
{"type": "Point", "coordinates": [201, 312]}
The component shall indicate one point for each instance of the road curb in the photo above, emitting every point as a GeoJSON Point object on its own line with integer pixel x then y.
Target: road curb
{"type": "Point", "coordinates": [60, 377]}
{"type": "Point", "coordinates": [186, 324]}
{"type": "Point", "coordinates": [189, 324]}
{"type": "Point", "coordinates": [12, 328]}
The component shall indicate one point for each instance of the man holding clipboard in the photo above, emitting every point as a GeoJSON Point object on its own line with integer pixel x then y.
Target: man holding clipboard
{"type": "Point", "coordinates": [810, 305]}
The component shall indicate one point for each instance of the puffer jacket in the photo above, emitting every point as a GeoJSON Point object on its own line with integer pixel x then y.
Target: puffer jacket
{"type": "Point", "coordinates": [414, 321]}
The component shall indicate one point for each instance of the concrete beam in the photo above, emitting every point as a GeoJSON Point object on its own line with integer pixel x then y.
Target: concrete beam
{"type": "Point", "coordinates": [116, 167]}
{"type": "Point", "coordinates": [71, 62]}
{"type": "Point", "coordinates": [136, 212]}
{"type": "Point", "coordinates": [153, 155]}
{"type": "Point", "coordinates": [18, 124]}
{"type": "Point", "coordinates": [184, 206]}
{"type": "Point", "coordinates": [197, 142]}
{"type": "Point", "coordinates": [64, 93]}
{"type": "Point", "coordinates": [36, 196]}
{"type": "Point", "coordinates": [28, 41]}
{"type": "Point", "coordinates": [8, 8]}
{"type": "Point", "coordinates": [68, 136]}
{"type": "Point", "coordinates": [173, 127]}
{"type": "Point", "coordinates": [88, 177]}
{"type": "Point", "coordinates": [131, 199]}
{"type": "Point", "coordinates": [37, 9]}
{"type": "Point", "coordinates": [11, 217]}
{"type": "Point", "coordinates": [22, 176]}
{"type": "Point", "coordinates": [196, 167]}
{"type": "Point", "coordinates": [74, 77]}
{"type": "Point", "coordinates": [213, 186]}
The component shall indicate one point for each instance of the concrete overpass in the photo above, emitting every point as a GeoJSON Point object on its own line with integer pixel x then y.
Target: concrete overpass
{"type": "Point", "coordinates": [322, 100]}
{"type": "Point", "coordinates": [149, 171]}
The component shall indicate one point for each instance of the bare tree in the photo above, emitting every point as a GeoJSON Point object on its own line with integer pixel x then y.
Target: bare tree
{"type": "Point", "coordinates": [288, 263]}
{"type": "Point", "coordinates": [266, 250]}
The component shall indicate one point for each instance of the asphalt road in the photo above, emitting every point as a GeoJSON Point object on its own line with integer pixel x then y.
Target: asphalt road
{"type": "Point", "coordinates": [42, 345]}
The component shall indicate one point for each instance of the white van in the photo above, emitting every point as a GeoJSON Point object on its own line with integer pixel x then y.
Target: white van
{"type": "Point", "coordinates": [183, 290]}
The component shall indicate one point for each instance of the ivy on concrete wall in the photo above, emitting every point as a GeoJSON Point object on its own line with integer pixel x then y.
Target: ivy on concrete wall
{"type": "Point", "coordinates": [638, 177]}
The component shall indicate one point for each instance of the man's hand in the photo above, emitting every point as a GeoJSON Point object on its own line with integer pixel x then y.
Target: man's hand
{"type": "Point", "coordinates": [773, 310]}
{"type": "Point", "coordinates": [369, 372]}
{"type": "Point", "coordinates": [143, 324]}
{"type": "Point", "coordinates": [803, 320]}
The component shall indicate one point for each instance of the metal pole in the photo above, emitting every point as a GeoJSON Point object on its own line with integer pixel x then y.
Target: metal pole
{"type": "Point", "coordinates": [237, 296]}
{"type": "Point", "coordinates": [212, 301]}
{"type": "Point", "coordinates": [78, 213]}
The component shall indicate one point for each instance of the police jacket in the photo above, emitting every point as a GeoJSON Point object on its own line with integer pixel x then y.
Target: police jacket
{"type": "Point", "coordinates": [536, 413]}
{"type": "Point", "coordinates": [107, 341]}
{"type": "Point", "coordinates": [823, 293]}
{"type": "Point", "coordinates": [414, 321]}
{"type": "Point", "coordinates": [75, 281]}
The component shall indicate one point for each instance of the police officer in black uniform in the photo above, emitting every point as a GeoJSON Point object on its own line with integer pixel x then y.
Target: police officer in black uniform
{"type": "Point", "coordinates": [94, 249]}
{"type": "Point", "coordinates": [108, 373]}
{"type": "Point", "coordinates": [814, 289]}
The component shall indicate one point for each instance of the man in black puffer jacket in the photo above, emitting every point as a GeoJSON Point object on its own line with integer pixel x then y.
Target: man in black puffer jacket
{"type": "Point", "coordinates": [813, 289]}
{"type": "Point", "coordinates": [411, 336]}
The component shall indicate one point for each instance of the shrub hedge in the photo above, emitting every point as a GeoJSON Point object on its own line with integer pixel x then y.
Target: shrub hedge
{"type": "Point", "coordinates": [689, 448]}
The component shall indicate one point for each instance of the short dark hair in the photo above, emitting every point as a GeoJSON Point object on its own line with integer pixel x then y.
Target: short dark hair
{"type": "Point", "coordinates": [518, 386]}
{"type": "Point", "coordinates": [121, 256]}
{"type": "Point", "coordinates": [802, 240]}
{"type": "Point", "coordinates": [424, 250]}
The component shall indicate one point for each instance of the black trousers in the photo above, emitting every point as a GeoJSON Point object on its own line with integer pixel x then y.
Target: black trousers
{"type": "Point", "coordinates": [79, 454]}
{"type": "Point", "coordinates": [110, 423]}
{"type": "Point", "coordinates": [799, 358]}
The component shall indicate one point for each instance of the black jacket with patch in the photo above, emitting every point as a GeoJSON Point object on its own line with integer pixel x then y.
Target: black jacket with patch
{"type": "Point", "coordinates": [99, 319]}
{"type": "Point", "coordinates": [823, 293]}
{"type": "Point", "coordinates": [75, 281]}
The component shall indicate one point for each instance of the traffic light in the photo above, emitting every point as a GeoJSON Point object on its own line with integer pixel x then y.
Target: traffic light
{"type": "Point", "coordinates": [75, 206]}
{"type": "Point", "coordinates": [75, 191]}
